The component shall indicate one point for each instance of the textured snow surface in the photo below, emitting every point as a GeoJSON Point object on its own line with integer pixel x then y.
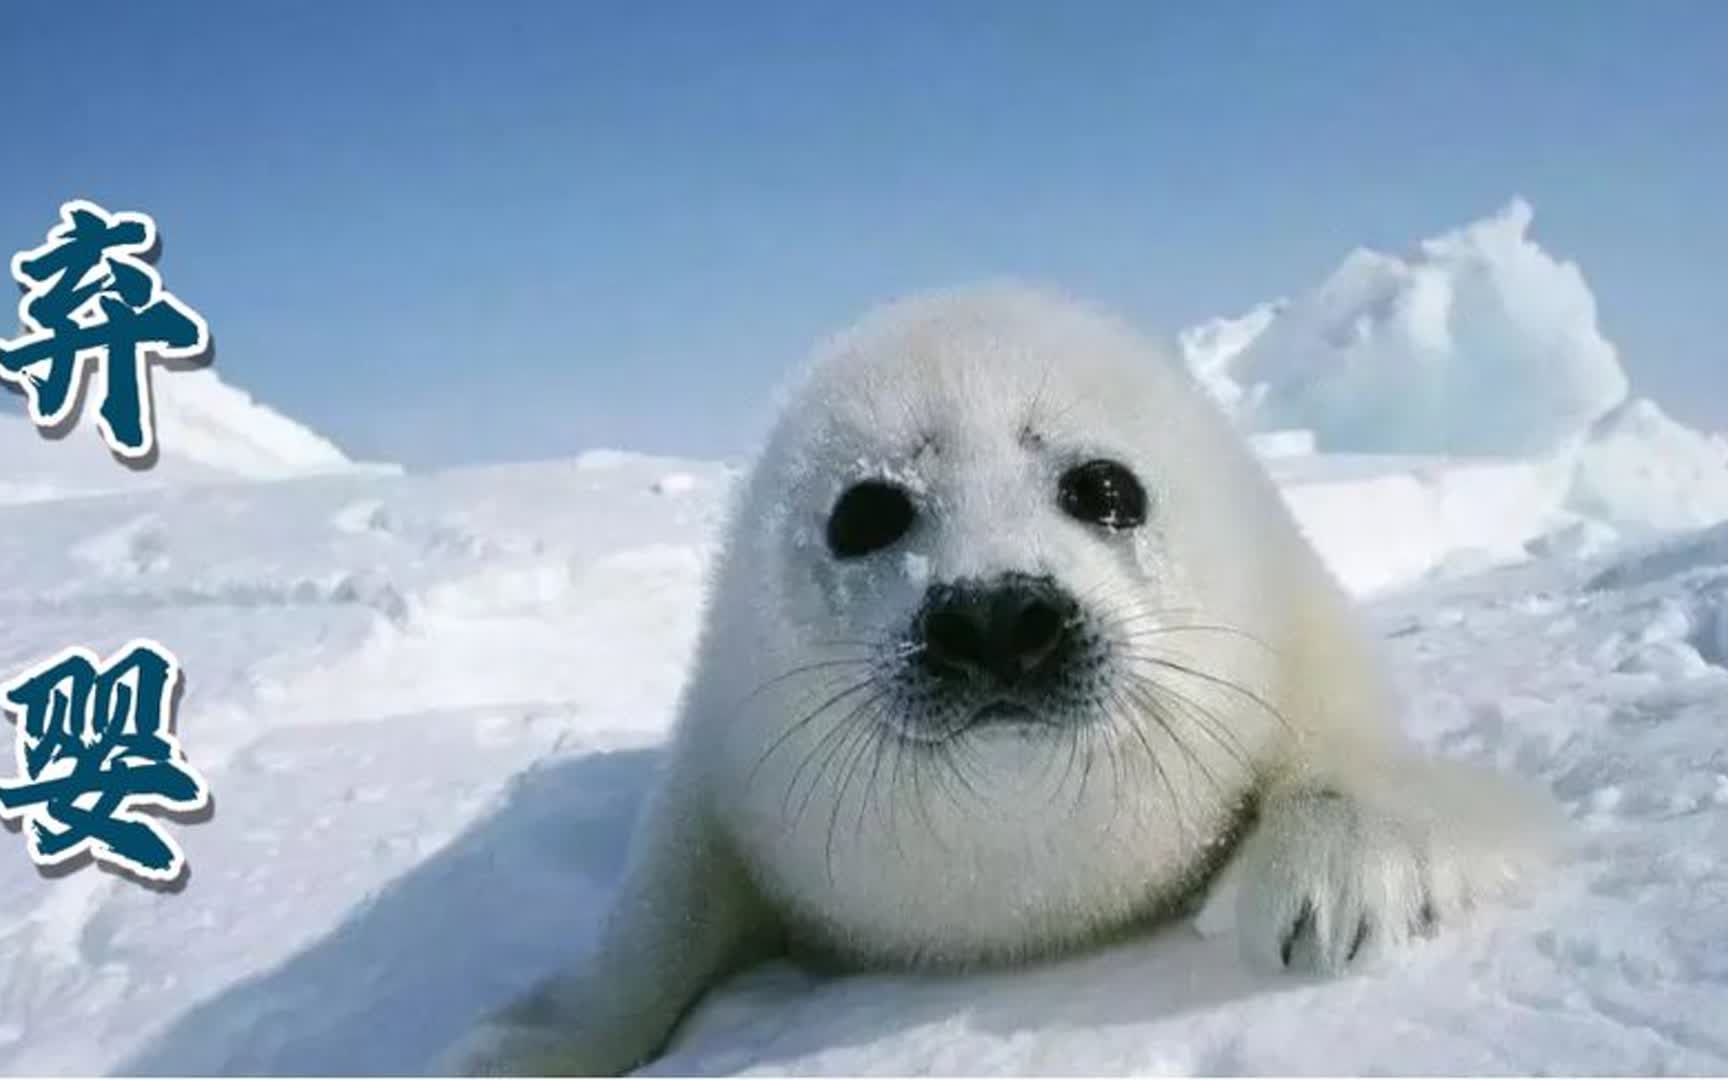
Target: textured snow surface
{"type": "Point", "coordinates": [1633, 475]}
{"type": "Point", "coordinates": [428, 707]}
{"type": "Point", "coordinates": [1480, 342]}
{"type": "Point", "coordinates": [1641, 470]}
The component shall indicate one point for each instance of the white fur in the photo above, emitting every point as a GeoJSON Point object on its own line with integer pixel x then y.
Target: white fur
{"type": "Point", "coordinates": [1005, 845]}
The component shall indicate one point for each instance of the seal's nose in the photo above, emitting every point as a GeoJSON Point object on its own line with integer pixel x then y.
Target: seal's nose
{"type": "Point", "coordinates": [1009, 628]}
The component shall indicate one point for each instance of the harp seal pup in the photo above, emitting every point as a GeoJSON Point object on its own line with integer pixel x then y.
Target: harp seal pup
{"type": "Point", "coordinates": [1013, 645]}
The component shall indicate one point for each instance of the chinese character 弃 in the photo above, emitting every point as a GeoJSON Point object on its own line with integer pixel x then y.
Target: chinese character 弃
{"type": "Point", "coordinates": [92, 299]}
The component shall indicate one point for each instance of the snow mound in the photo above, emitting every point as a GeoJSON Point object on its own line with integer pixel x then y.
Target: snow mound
{"type": "Point", "coordinates": [1480, 343]}
{"type": "Point", "coordinates": [203, 419]}
{"type": "Point", "coordinates": [1639, 469]}
{"type": "Point", "coordinates": [1474, 367]}
{"type": "Point", "coordinates": [208, 432]}
{"type": "Point", "coordinates": [40, 469]}
{"type": "Point", "coordinates": [1386, 522]}
{"type": "Point", "coordinates": [1382, 523]}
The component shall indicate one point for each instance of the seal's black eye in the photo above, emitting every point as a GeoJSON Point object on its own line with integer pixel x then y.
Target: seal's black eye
{"type": "Point", "coordinates": [1103, 493]}
{"type": "Point", "coordinates": [869, 516]}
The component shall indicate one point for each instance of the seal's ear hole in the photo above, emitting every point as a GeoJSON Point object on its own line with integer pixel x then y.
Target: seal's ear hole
{"type": "Point", "coordinates": [868, 517]}
{"type": "Point", "coordinates": [1103, 492]}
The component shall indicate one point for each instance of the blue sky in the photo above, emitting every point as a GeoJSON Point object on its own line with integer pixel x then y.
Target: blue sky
{"type": "Point", "coordinates": [446, 232]}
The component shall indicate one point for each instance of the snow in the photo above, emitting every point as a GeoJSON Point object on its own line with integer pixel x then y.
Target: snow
{"type": "Point", "coordinates": [40, 469]}
{"type": "Point", "coordinates": [1634, 474]}
{"type": "Point", "coordinates": [1478, 343]}
{"type": "Point", "coordinates": [1640, 470]}
{"type": "Point", "coordinates": [1469, 389]}
{"type": "Point", "coordinates": [429, 706]}
{"type": "Point", "coordinates": [1386, 522]}
{"type": "Point", "coordinates": [211, 422]}
{"type": "Point", "coordinates": [208, 432]}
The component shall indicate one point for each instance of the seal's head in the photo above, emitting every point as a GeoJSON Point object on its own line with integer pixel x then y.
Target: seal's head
{"type": "Point", "coordinates": [994, 627]}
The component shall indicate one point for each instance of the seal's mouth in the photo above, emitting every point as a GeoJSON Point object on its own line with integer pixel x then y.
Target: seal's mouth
{"type": "Point", "coordinates": [1005, 714]}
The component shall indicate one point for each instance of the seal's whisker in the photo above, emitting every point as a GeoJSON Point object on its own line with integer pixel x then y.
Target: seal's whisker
{"type": "Point", "coordinates": [1156, 711]}
{"type": "Point", "coordinates": [899, 748]}
{"type": "Point", "coordinates": [1050, 765]}
{"type": "Point", "coordinates": [922, 757]}
{"type": "Point", "coordinates": [1095, 591]}
{"type": "Point", "coordinates": [1209, 723]}
{"type": "Point", "coordinates": [1074, 735]}
{"type": "Point", "coordinates": [1112, 752]}
{"type": "Point", "coordinates": [1135, 606]}
{"type": "Point", "coordinates": [805, 669]}
{"type": "Point", "coordinates": [1130, 625]}
{"type": "Point", "coordinates": [950, 751]}
{"type": "Point", "coordinates": [873, 679]}
{"type": "Point", "coordinates": [1127, 715]}
{"type": "Point", "coordinates": [840, 728]}
{"type": "Point", "coordinates": [1219, 681]}
{"type": "Point", "coordinates": [1147, 694]}
{"type": "Point", "coordinates": [1166, 629]}
{"type": "Point", "coordinates": [889, 644]}
{"type": "Point", "coordinates": [882, 746]}
{"type": "Point", "coordinates": [836, 737]}
{"type": "Point", "coordinates": [867, 732]}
